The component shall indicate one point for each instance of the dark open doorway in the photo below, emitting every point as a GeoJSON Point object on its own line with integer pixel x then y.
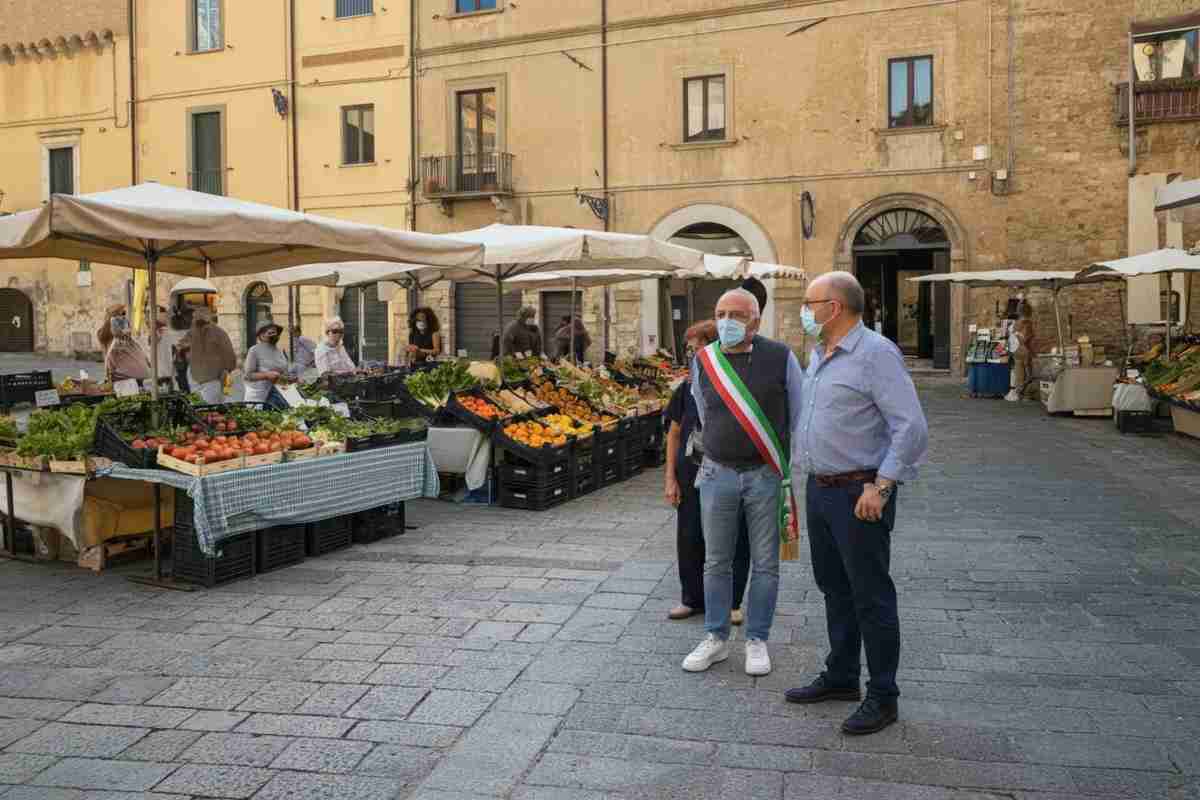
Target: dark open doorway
{"type": "Point", "coordinates": [889, 250]}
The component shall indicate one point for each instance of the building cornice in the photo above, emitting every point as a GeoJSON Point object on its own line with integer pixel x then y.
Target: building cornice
{"type": "Point", "coordinates": [65, 46]}
{"type": "Point", "coordinates": [633, 23]}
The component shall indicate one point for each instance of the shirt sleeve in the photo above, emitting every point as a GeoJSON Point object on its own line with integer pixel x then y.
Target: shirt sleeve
{"type": "Point", "coordinates": [696, 393]}
{"type": "Point", "coordinates": [795, 395]}
{"type": "Point", "coordinates": [896, 398]}
{"type": "Point", "coordinates": [251, 361]}
{"type": "Point", "coordinates": [674, 412]}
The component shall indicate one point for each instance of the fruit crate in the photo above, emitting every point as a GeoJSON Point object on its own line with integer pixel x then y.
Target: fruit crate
{"type": "Point", "coordinates": [607, 473]}
{"type": "Point", "coordinates": [583, 472]}
{"type": "Point", "coordinates": [279, 546]}
{"type": "Point", "coordinates": [233, 561]}
{"type": "Point", "coordinates": [328, 535]}
{"type": "Point", "coordinates": [532, 455]}
{"type": "Point", "coordinates": [1134, 421]}
{"type": "Point", "coordinates": [378, 523]}
{"type": "Point", "coordinates": [455, 408]}
{"type": "Point", "coordinates": [515, 472]}
{"type": "Point", "coordinates": [535, 498]}
{"type": "Point", "coordinates": [21, 387]}
{"type": "Point", "coordinates": [172, 412]}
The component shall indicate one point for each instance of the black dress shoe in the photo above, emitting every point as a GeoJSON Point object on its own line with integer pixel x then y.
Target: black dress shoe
{"type": "Point", "coordinates": [820, 690]}
{"type": "Point", "coordinates": [875, 714]}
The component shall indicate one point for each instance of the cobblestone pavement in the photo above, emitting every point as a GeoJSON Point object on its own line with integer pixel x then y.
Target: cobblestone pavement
{"type": "Point", "coordinates": [1048, 574]}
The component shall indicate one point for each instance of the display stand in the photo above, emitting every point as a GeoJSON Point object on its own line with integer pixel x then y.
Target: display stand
{"type": "Point", "coordinates": [1083, 391]}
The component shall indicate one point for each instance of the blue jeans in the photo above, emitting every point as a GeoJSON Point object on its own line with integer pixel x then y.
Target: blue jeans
{"type": "Point", "coordinates": [725, 496]}
{"type": "Point", "coordinates": [851, 560]}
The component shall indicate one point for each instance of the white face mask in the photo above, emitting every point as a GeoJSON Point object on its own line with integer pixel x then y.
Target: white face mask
{"type": "Point", "coordinates": [421, 326]}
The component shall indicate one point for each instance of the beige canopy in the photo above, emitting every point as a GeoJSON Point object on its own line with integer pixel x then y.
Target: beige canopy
{"type": "Point", "coordinates": [182, 231]}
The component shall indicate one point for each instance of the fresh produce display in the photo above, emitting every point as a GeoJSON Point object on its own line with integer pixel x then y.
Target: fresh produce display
{"type": "Point", "coordinates": [434, 387]}
{"type": "Point", "coordinates": [339, 429]}
{"type": "Point", "coordinates": [1177, 377]}
{"type": "Point", "coordinates": [533, 434]}
{"type": "Point", "coordinates": [481, 408]}
{"type": "Point", "coordinates": [564, 424]}
{"type": "Point", "coordinates": [571, 405]}
{"type": "Point", "coordinates": [63, 434]}
{"type": "Point", "coordinates": [511, 400]}
{"type": "Point", "coordinates": [200, 449]}
{"type": "Point", "coordinates": [8, 429]}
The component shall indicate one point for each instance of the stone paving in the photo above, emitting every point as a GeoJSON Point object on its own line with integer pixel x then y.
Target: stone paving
{"type": "Point", "coordinates": [1048, 570]}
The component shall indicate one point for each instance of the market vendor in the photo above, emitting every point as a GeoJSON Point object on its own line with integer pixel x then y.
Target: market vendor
{"type": "Point", "coordinates": [562, 338]}
{"type": "Point", "coordinates": [266, 365]}
{"type": "Point", "coordinates": [1023, 359]}
{"type": "Point", "coordinates": [305, 357]}
{"type": "Point", "coordinates": [424, 337]}
{"type": "Point", "coordinates": [123, 357]}
{"type": "Point", "coordinates": [211, 358]}
{"type": "Point", "coordinates": [331, 355]}
{"type": "Point", "coordinates": [522, 334]}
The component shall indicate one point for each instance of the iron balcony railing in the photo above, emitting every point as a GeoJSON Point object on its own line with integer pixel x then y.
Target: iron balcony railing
{"type": "Point", "coordinates": [207, 180]}
{"type": "Point", "coordinates": [1168, 100]}
{"type": "Point", "coordinates": [352, 8]}
{"type": "Point", "coordinates": [486, 174]}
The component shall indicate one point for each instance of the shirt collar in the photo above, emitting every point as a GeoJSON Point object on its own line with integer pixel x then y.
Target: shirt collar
{"type": "Point", "coordinates": [850, 341]}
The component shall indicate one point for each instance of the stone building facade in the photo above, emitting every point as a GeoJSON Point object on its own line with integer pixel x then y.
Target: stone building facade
{"type": "Point", "coordinates": [886, 138]}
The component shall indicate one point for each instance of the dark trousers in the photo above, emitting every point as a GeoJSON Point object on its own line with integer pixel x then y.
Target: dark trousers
{"type": "Point", "coordinates": [851, 559]}
{"type": "Point", "coordinates": [689, 543]}
{"type": "Point", "coordinates": [181, 370]}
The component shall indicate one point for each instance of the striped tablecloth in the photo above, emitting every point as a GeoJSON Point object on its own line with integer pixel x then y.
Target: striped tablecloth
{"type": "Point", "coordinates": [309, 490]}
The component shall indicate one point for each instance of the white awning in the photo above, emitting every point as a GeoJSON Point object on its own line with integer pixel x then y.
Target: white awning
{"type": "Point", "coordinates": [1178, 194]}
{"type": "Point", "coordinates": [1000, 277]}
{"type": "Point", "coordinates": [1153, 263]}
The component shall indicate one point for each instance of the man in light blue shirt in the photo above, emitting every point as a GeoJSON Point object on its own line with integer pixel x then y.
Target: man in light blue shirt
{"type": "Point", "coordinates": [862, 432]}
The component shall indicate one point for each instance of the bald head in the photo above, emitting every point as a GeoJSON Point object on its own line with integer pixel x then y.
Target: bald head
{"type": "Point", "coordinates": [841, 286]}
{"type": "Point", "coordinates": [740, 299]}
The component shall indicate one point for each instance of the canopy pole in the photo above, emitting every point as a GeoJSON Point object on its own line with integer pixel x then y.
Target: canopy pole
{"type": "Point", "coordinates": [500, 325]}
{"type": "Point", "coordinates": [362, 322]}
{"type": "Point", "coordinates": [1058, 322]}
{"type": "Point", "coordinates": [1170, 297]}
{"type": "Point", "coordinates": [152, 290]}
{"type": "Point", "coordinates": [291, 324]}
{"type": "Point", "coordinates": [574, 284]}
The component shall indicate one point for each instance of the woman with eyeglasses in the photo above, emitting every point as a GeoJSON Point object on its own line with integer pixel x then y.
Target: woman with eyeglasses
{"type": "Point", "coordinates": [683, 464]}
{"type": "Point", "coordinates": [331, 353]}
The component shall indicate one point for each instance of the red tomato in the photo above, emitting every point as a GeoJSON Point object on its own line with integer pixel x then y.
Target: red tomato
{"type": "Point", "coordinates": [201, 441]}
{"type": "Point", "coordinates": [138, 444]}
{"type": "Point", "coordinates": [261, 449]}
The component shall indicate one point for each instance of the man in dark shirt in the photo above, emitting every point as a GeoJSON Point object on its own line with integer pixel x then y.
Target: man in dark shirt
{"type": "Point", "coordinates": [734, 479]}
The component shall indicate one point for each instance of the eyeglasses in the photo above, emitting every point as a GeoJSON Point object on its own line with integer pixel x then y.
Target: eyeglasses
{"type": "Point", "coordinates": [811, 303]}
{"type": "Point", "coordinates": [336, 330]}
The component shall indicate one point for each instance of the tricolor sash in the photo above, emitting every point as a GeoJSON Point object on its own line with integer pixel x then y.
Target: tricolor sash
{"type": "Point", "coordinates": [754, 422]}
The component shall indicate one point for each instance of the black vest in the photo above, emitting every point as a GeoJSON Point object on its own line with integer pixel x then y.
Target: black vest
{"type": "Point", "coordinates": [764, 372]}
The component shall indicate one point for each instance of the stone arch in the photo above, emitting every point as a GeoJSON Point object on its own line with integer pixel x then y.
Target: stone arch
{"type": "Point", "coordinates": [843, 256]}
{"type": "Point", "coordinates": [736, 220]}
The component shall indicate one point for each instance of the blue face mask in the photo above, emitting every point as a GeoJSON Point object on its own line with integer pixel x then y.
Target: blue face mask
{"type": "Point", "coordinates": [809, 320]}
{"type": "Point", "coordinates": [731, 332]}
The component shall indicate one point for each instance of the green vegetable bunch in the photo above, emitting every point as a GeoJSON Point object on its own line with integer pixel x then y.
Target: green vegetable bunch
{"type": "Point", "coordinates": [434, 387]}
{"type": "Point", "coordinates": [62, 434]}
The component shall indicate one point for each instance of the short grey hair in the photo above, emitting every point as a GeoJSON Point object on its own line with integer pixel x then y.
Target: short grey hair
{"type": "Point", "coordinates": [329, 323]}
{"type": "Point", "coordinates": [746, 295]}
{"type": "Point", "coordinates": [848, 289]}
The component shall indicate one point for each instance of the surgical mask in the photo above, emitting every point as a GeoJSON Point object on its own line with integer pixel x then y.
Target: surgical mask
{"type": "Point", "coordinates": [273, 339]}
{"type": "Point", "coordinates": [732, 332]}
{"type": "Point", "coordinates": [421, 326]}
{"type": "Point", "coordinates": [808, 319]}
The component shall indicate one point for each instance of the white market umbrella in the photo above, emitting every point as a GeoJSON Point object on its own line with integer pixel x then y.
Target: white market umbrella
{"type": "Point", "coordinates": [151, 226]}
{"type": "Point", "coordinates": [1176, 195]}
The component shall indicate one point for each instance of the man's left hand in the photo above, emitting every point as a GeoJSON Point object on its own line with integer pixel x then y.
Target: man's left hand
{"type": "Point", "coordinates": [870, 505]}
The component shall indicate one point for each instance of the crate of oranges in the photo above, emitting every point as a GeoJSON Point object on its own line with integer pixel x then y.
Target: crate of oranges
{"type": "Point", "coordinates": [532, 441]}
{"type": "Point", "coordinates": [473, 408]}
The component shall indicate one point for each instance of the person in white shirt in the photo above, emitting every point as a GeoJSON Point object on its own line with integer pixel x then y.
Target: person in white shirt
{"type": "Point", "coordinates": [331, 355]}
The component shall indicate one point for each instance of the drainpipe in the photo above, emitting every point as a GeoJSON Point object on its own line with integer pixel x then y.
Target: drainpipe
{"type": "Point", "coordinates": [295, 85]}
{"type": "Point", "coordinates": [133, 139]}
{"type": "Point", "coordinates": [1132, 92]}
{"type": "Point", "coordinates": [604, 154]}
{"type": "Point", "coordinates": [412, 116]}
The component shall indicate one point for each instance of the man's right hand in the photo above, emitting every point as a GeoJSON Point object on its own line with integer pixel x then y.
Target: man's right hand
{"type": "Point", "coordinates": [671, 491]}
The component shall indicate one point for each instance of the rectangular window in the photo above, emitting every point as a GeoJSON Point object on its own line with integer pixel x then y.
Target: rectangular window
{"type": "Point", "coordinates": [467, 6]}
{"type": "Point", "coordinates": [205, 25]}
{"type": "Point", "coordinates": [1171, 55]}
{"type": "Point", "coordinates": [910, 92]}
{"type": "Point", "coordinates": [476, 139]}
{"type": "Point", "coordinates": [704, 108]}
{"type": "Point", "coordinates": [353, 8]}
{"type": "Point", "coordinates": [358, 135]}
{"type": "Point", "coordinates": [62, 170]}
{"type": "Point", "coordinates": [208, 174]}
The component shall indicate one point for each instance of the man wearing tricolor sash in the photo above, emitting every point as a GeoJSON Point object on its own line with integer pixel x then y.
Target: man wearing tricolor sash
{"type": "Point", "coordinates": [748, 394]}
{"type": "Point", "coordinates": [862, 432]}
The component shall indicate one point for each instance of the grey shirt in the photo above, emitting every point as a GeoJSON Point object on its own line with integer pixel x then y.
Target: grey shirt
{"type": "Point", "coordinates": [263, 358]}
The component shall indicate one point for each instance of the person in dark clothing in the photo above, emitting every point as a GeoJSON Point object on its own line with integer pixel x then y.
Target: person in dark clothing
{"type": "Point", "coordinates": [522, 334]}
{"type": "Point", "coordinates": [681, 492]}
{"type": "Point", "coordinates": [424, 337]}
{"type": "Point", "coordinates": [759, 289]}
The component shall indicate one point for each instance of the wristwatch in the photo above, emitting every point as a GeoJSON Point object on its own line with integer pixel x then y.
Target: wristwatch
{"type": "Point", "coordinates": [885, 490]}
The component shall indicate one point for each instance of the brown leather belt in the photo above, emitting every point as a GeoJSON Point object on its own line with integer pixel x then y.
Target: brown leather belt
{"type": "Point", "coordinates": [845, 479]}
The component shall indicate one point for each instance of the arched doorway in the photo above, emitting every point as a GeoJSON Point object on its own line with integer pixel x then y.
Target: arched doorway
{"type": "Point", "coordinates": [16, 322]}
{"type": "Point", "coordinates": [258, 308]}
{"type": "Point", "coordinates": [668, 311]}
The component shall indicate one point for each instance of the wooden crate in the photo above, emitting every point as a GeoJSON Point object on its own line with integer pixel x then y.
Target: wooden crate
{"type": "Point", "coordinates": [1186, 422]}
{"type": "Point", "coordinates": [301, 455]}
{"type": "Point", "coordinates": [201, 470]}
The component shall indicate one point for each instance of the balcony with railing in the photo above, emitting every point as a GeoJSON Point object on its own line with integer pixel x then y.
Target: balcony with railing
{"type": "Point", "coordinates": [467, 175]}
{"type": "Point", "coordinates": [1168, 100]}
{"type": "Point", "coordinates": [211, 181]}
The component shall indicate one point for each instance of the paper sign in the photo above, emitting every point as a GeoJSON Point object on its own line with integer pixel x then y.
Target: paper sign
{"type": "Point", "coordinates": [1132, 373]}
{"type": "Point", "coordinates": [83, 374]}
{"type": "Point", "coordinates": [343, 409]}
{"type": "Point", "coordinates": [462, 353]}
{"type": "Point", "coordinates": [676, 314]}
{"type": "Point", "coordinates": [126, 388]}
{"type": "Point", "coordinates": [46, 397]}
{"type": "Point", "coordinates": [292, 395]}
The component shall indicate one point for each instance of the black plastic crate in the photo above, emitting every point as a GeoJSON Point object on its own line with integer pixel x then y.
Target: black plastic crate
{"type": "Point", "coordinates": [328, 535]}
{"type": "Point", "coordinates": [378, 523]}
{"type": "Point", "coordinates": [185, 508]}
{"type": "Point", "coordinates": [515, 451]}
{"type": "Point", "coordinates": [233, 561]}
{"type": "Point", "coordinates": [654, 458]}
{"type": "Point", "coordinates": [583, 482]}
{"type": "Point", "coordinates": [606, 445]}
{"type": "Point", "coordinates": [607, 473]}
{"type": "Point", "coordinates": [532, 499]}
{"type": "Point", "coordinates": [108, 442]}
{"type": "Point", "coordinates": [460, 412]}
{"type": "Point", "coordinates": [521, 474]}
{"type": "Point", "coordinates": [1135, 421]}
{"type": "Point", "coordinates": [20, 387]}
{"type": "Point", "coordinates": [279, 546]}
{"type": "Point", "coordinates": [22, 543]}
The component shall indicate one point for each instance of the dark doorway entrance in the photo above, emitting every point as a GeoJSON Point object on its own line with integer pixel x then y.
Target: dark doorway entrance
{"type": "Point", "coordinates": [696, 300]}
{"type": "Point", "coordinates": [16, 322]}
{"type": "Point", "coordinates": [889, 250]}
{"type": "Point", "coordinates": [375, 314]}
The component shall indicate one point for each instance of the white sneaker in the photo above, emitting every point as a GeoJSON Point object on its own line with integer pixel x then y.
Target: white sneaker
{"type": "Point", "coordinates": [710, 651]}
{"type": "Point", "coordinates": [758, 661]}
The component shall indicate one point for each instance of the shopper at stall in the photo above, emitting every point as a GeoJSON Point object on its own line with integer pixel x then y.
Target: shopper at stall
{"type": "Point", "coordinates": [742, 384]}
{"type": "Point", "coordinates": [123, 357]}
{"type": "Point", "coordinates": [210, 357]}
{"type": "Point", "coordinates": [424, 335]}
{"type": "Point", "coordinates": [522, 334]}
{"type": "Point", "coordinates": [331, 355]}
{"type": "Point", "coordinates": [305, 357]}
{"type": "Point", "coordinates": [683, 464]}
{"type": "Point", "coordinates": [861, 433]}
{"type": "Point", "coordinates": [562, 338]}
{"type": "Point", "coordinates": [266, 365]}
{"type": "Point", "coordinates": [1026, 332]}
